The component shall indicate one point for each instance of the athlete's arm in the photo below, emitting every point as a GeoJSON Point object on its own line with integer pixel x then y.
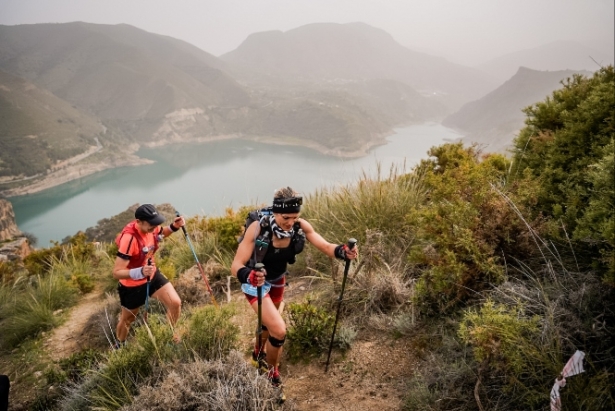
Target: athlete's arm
{"type": "Point", "coordinates": [120, 269]}
{"type": "Point", "coordinates": [243, 254]}
{"type": "Point", "coordinates": [178, 223]}
{"type": "Point", "coordinates": [321, 244]}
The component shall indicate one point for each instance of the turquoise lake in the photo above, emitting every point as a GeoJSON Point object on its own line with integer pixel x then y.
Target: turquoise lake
{"type": "Point", "coordinates": [207, 178]}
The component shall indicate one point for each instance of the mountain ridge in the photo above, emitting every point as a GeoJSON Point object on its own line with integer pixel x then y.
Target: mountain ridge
{"type": "Point", "coordinates": [553, 56]}
{"type": "Point", "coordinates": [154, 90]}
{"type": "Point", "coordinates": [356, 51]}
{"type": "Point", "coordinates": [493, 121]}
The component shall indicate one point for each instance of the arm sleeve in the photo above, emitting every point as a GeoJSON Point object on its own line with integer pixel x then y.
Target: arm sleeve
{"type": "Point", "coordinates": [243, 274]}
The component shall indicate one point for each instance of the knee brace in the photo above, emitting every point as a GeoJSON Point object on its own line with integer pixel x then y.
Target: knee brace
{"type": "Point", "coordinates": [275, 342]}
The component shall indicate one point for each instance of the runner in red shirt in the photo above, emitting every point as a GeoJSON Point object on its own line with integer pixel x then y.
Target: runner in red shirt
{"type": "Point", "coordinates": [137, 244]}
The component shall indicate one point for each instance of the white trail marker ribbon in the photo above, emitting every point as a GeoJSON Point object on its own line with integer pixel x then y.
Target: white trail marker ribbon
{"type": "Point", "coordinates": [574, 366]}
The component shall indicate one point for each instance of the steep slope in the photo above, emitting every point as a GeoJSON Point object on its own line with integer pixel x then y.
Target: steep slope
{"type": "Point", "coordinates": [558, 55]}
{"type": "Point", "coordinates": [38, 129]}
{"type": "Point", "coordinates": [494, 120]}
{"type": "Point", "coordinates": [148, 89]}
{"type": "Point", "coordinates": [326, 51]}
{"type": "Point", "coordinates": [139, 81]}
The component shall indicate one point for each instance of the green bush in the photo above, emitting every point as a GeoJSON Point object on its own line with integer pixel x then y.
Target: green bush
{"type": "Point", "coordinates": [55, 292]}
{"type": "Point", "coordinates": [84, 282]}
{"type": "Point", "coordinates": [464, 227]}
{"type": "Point", "coordinates": [228, 227]}
{"type": "Point", "coordinates": [566, 135]}
{"type": "Point", "coordinates": [501, 337]}
{"type": "Point", "coordinates": [597, 226]}
{"type": "Point", "coordinates": [8, 272]}
{"type": "Point", "coordinates": [117, 380]}
{"type": "Point", "coordinates": [177, 256]}
{"type": "Point", "coordinates": [30, 310]}
{"type": "Point", "coordinates": [211, 333]}
{"type": "Point", "coordinates": [74, 367]}
{"type": "Point", "coordinates": [527, 330]}
{"type": "Point", "coordinates": [309, 331]}
{"type": "Point", "coordinates": [77, 248]}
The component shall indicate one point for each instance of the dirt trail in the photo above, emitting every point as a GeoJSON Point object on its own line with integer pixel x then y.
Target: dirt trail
{"type": "Point", "coordinates": [372, 376]}
{"type": "Point", "coordinates": [67, 339]}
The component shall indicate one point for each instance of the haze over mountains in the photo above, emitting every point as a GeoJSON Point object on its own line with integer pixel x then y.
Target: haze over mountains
{"type": "Point", "coordinates": [356, 51]}
{"type": "Point", "coordinates": [494, 120]}
{"type": "Point", "coordinates": [113, 88]}
{"type": "Point", "coordinates": [558, 55]}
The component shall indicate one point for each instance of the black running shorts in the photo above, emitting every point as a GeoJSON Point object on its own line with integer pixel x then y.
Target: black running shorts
{"type": "Point", "coordinates": [134, 297]}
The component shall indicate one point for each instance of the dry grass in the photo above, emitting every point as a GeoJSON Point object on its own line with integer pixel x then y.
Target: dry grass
{"type": "Point", "coordinates": [222, 385]}
{"type": "Point", "coordinates": [99, 330]}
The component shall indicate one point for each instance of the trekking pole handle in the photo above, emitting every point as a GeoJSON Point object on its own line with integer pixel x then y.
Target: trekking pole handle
{"type": "Point", "coordinates": [259, 267]}
{"type": "Point", "coordinates": [351, 243]}
{"type": "Point", "coordinates": [183, 227]}
{"type": "Point", "coordinates": [149, 262]}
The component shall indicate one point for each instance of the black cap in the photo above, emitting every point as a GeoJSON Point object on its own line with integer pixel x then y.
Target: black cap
{"type": "Point", "coordinates": [147, 212]}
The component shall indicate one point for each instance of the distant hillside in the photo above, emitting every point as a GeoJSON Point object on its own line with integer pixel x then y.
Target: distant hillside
{"type": "Point", "coordinates": [558, 55]}
{"type": "Point", "coordinates": [153, 90]}
{"type": "Point", "coordinates": [38, 129]}
{"type": "Point", "coordinates": [356, 51]}
{"type": "Point", "coordinates": [494, 120]}
{"type": "Point", "coordinates": [140, 82]}
{"type": "Point", "coordinates": [397, 102]}
{"type": "Point", "coordinates": [362, 112]}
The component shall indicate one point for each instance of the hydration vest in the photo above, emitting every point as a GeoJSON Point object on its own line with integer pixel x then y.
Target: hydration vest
{"type": "Point", "coordinates": [263, 239]}
{"type": "Point", "coordinates": [138, 260]}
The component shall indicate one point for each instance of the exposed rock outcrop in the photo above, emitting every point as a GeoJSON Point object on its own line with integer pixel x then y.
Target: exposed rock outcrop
{"type": "Point", "coordinates": [16, 249]}
{"type": "Point", "coordinates": [13, 243]}
{"type": "Point", "coordinates": [8, 227]}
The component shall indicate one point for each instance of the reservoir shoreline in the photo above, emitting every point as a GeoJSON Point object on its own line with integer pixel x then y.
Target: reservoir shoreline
{"type": "Point", "coordinates": [206, 179]}
{"type": "Point", "coordinates": [79, 169]}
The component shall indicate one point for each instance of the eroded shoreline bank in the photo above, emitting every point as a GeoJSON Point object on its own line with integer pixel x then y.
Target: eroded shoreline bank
{"type": "Point", "coordinates": [74, 171]}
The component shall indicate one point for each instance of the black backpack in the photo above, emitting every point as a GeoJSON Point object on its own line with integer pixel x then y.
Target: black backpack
{"type": "Point", "coordinates": [262, 241]}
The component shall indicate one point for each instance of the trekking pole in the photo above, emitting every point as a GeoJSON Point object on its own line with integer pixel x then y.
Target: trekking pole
{"type": "Point", "coordinates": [259, 296]}
{"type": "Point", "coordinates": [198, 263]}
{"type": "Point", "coordinates": [149, 262]}
{"type": "Point", "coordinates": [351, 244]}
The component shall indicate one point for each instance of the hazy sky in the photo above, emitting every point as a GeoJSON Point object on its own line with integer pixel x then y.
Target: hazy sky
{"type": "Point", "coordinates": [464, 31]}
